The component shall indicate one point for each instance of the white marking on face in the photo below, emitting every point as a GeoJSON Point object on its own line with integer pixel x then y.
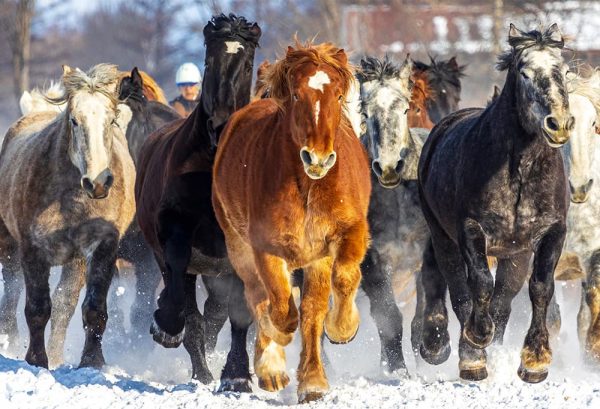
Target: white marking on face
{"type": "Point", "coordinates": [91, 111]}
{"type": "Point", "coordinates": [385, 98]}
{"type": "Point", "coordinates": [318, 80]}
{"type": "Point", "coordinates": [233, 47]}
{"type": "Point", "coordinates": [317, 111]}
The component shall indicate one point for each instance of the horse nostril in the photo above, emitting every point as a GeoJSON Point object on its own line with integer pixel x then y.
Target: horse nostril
{"type": "Point", "coordinates": [552, 123]}
{"type": "Point", "coordinates": [588, 185]}
{"type": "Point", "coordinates": [377, 168]}
{"type": "Point", "coordinates": [87, 184]}
{"type": "Point", "coordinates": [570, 123]}
{"type": "Point", "coordinates": [399, 166]}
{"type": "Point", "coordinates": [330, 161]}
{"type": "Point", "coordinates": [305, 156]}
{"type": "Point", "coordinates": [109, 181]}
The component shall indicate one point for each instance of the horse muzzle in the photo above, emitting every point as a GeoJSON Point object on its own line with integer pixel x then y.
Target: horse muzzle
{"type": "Point", "coordinates": [316, 166]}
{"type": "Point", "coordinates": [388, 178]}
{"type": "Point", "coordinates": [100, 186]}
{"type": "Point", "coordinates": [580, 194]}
{"type": "Point", "coordinates": [556, 131]}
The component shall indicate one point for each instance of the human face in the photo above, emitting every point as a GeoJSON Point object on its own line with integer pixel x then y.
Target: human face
{"type": "Point", "coordinates": [189, 90]}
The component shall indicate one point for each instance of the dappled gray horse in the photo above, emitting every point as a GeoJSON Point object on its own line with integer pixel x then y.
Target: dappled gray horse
{"type": "Point", "coordinates": [398, 229]}
{"type": "Point", "coordinates": [67, 186]}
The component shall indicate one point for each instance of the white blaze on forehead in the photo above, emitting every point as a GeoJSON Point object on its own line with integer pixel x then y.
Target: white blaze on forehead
{"type": "Point", "coordinates": [544, 59]}
{"type": "Point", "coordinates": [233, 47]}
{"type": "Point", "coordinates": [317, 111]}
{"type": "Point", "coordinates": [385, 98]}
{"type": "Point", "coordinates": [91, 112]}
{"type": "Point", "coordinates": [318, 80]}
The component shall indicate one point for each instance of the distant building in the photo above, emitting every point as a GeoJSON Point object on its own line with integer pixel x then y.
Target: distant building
{"type": "Point", "coordinates": [449, 29]}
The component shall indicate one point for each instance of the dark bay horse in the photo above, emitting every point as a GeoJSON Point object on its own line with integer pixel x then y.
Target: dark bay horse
{"type": "Point", "coordinates": [67, 186]}
{"type": "Point", "coordinates": [444, 79]}
{"type": "Point", "coordinates": [310, 213]}
{"type": "Point", "coordinates": [174, 210]}
{"type": "Point", "coordinates": [492, 183]}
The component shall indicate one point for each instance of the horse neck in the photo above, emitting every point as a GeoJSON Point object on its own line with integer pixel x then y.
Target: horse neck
{"type": "Point", "coordinates": [195, 127]}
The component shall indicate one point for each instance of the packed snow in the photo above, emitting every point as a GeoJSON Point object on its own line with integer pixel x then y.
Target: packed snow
{"type": "Point", "coordinates": [137, 378]}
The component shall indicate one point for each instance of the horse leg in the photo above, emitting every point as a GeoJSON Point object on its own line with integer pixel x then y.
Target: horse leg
{"type": "Point", "coordinates": [479, 328]}
{"type": "Point", "coordinates": [591, 299]}
{"type": "Point", "coordinates": [116, 308]}
{"type": "Point", "coordinates": [377, 285]}
{"type": "Point", "coordinates": [511, 274]}
{"type": "Point", "coordinates": [416, 325]}
{"type": "Point", "coordinates": [13, 286]}
{"type": "Point", "coordinates": [536, 355]}
{"type": "Point", "coordinates": [64, 302]}
{"type": "Point", "coordinates": [342, 320]}
{"type": "Point", "coordinates": [101, 268]}
{"type": "Point", "coordinates": [193, 339]}
{"type": "Point", "coordinates": [169, 319]}
{"type": "Point", "coordinates": [281, 319]}
{"type": "Point", "coordinates": [236, 373]}
{"type": "Point", "coordinates": [147, 274]}
{"type": "Point", "coordinates": [215, 307]}
{"type": "Point", "coordinates": [312, 382]}
{"type": "Point", "coordinates": [38, 305]}
{"type": "Point", "coordinates": [434, 343]}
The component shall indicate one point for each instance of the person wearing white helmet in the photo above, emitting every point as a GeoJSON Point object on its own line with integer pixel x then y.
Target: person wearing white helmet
{"type": "Point", "coordinates": [188, 80]}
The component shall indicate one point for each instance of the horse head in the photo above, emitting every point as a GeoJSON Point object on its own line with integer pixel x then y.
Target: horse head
{"type": "Point", "coordinates": [584, 145]}
{"type": "Point", "coordinates": [311, 84]}
{"type": "Point", "coordinates": [385, 90]}
{"type": "Point", "coordinates": [230, 42]}
{"type": "Point", "coordinates": [91, 121]}
{"type": "Point", "coordinates": [536, 71]}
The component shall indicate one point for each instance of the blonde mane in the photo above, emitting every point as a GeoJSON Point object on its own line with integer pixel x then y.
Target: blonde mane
{"type": "Point", "coordinates": [152, 91]}
{"type": "Point", "coordinates": [36, 99]}
{"type": "Point", "coordinates": [586, 84]}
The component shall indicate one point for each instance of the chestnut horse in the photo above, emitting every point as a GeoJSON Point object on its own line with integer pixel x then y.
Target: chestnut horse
{"type": "Point", "coordinates": [418, 117]}
{"type": "Point", "coordinates": [310, 213]}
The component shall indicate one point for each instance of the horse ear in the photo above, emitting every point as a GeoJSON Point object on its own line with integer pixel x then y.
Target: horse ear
{"type": "Point", "coordinates": [407, 67]}
{"type": "Point", "coordinates": [137, 78]}
{"type": "Point", "coordinates": [290, 49]}
{"type": "Point", "coordinates": [341, 56]}
{"type": "Point", "coordinates": [255, 30]}
{"type": "Point", "coordinates": [453, 64]}
{"type": "Point", "coordinates": [514, 32]}
{"type": "Point", "coordinates": [496, 92]}
{"type": "Point", "coordinates": [555, 33]}
{"type": "Point", "coordinates": [25, 103]}
{"type": "Point", "coordinates": [66, 69]}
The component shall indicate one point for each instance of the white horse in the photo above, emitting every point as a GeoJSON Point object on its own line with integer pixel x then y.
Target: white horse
{"type": "Point", "coordinates": [36, 100]}
{"type": "Point", "coordinates": [582, 157]}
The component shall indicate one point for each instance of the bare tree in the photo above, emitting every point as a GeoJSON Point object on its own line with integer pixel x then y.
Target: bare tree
{"type": "Point", "coordinates": [15, 23]}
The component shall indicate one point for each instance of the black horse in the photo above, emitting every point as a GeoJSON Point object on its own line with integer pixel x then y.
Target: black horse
{"type": "Point", "coordinates": [174, 209]}
{"type": "Point", "coordinates": [444, 79]}
{"type": "Point", "coordinates": [492, 182]}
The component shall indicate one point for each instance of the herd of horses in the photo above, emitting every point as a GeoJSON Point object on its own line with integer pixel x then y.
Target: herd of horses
{"type": "Point", "coordinates": [328, 178]}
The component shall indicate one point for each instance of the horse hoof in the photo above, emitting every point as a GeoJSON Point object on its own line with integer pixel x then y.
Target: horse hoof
{"type": "Point", "coordinates": [530, 376]}
{"type": "Point", "coordinates": [204, 377]}
{"type": "Point", "coordinates": [240, 385]}
{"type": "Point", "coordinates": [341, 342]}
{"type": "Point", "coordinates": [165, 339]}
{"type": "Point", "coordinates": [474, 374]}
{"type": "Point", "coordinates": [274, 383]}
{"type": "Point", "coordinates": [476, 341]}
{"type": "Point", "coordinates": [433, 358]}
{"type": "Point", "coordinates": [310, 396]}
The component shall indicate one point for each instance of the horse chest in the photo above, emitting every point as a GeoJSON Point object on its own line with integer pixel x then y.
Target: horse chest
{"type": "Point", "coordinates": [583, 233]}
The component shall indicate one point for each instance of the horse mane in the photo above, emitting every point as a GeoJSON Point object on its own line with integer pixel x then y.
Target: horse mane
{"type": "Point", "coordinates": [231, 25]}
{"type": "Point", "coordinates": [374, 69]}
{"type": "Point", "coordinates": [534, 38]}
{"type": "Point", "coordinates": [36, 99]}
{"type": "Point", "coordinates": [586, 84]}
{"type": "Point", "coordinates": [101, 78]}
{"type": "Point", "coordinates": [278, 78]}
{"type": "Point", "coordinates": [422, 91]}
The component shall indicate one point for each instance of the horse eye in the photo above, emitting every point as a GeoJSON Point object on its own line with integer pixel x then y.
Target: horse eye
{"type": "Point", "coordinates": [74, 122]}
{"type": "Point", "coordinates": [524, 75]}
{"type": "Point", "coordinates": [295, 96]}
{"type": "Point", "coordinates": [340, 98]}
{"type": "Point", "coordinates": [406, 111]}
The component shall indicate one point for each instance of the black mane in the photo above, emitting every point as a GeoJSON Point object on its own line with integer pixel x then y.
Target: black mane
{"type": "Point", "coordinates": [442, 72]}
{"type": "Point", "coordinates": [534, 38]}
{"type": "Point", "coordinates": [231, 26]}
{"type": "Point", "coordinates": [372, 68]}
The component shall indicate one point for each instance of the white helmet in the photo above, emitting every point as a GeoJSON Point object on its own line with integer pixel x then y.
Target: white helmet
{"type": "Point", "coordinates": [188, 73]}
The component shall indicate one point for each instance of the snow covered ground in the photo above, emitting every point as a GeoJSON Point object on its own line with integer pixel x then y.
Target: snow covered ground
{"type": "Point", "coordinates": [162, 378]}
